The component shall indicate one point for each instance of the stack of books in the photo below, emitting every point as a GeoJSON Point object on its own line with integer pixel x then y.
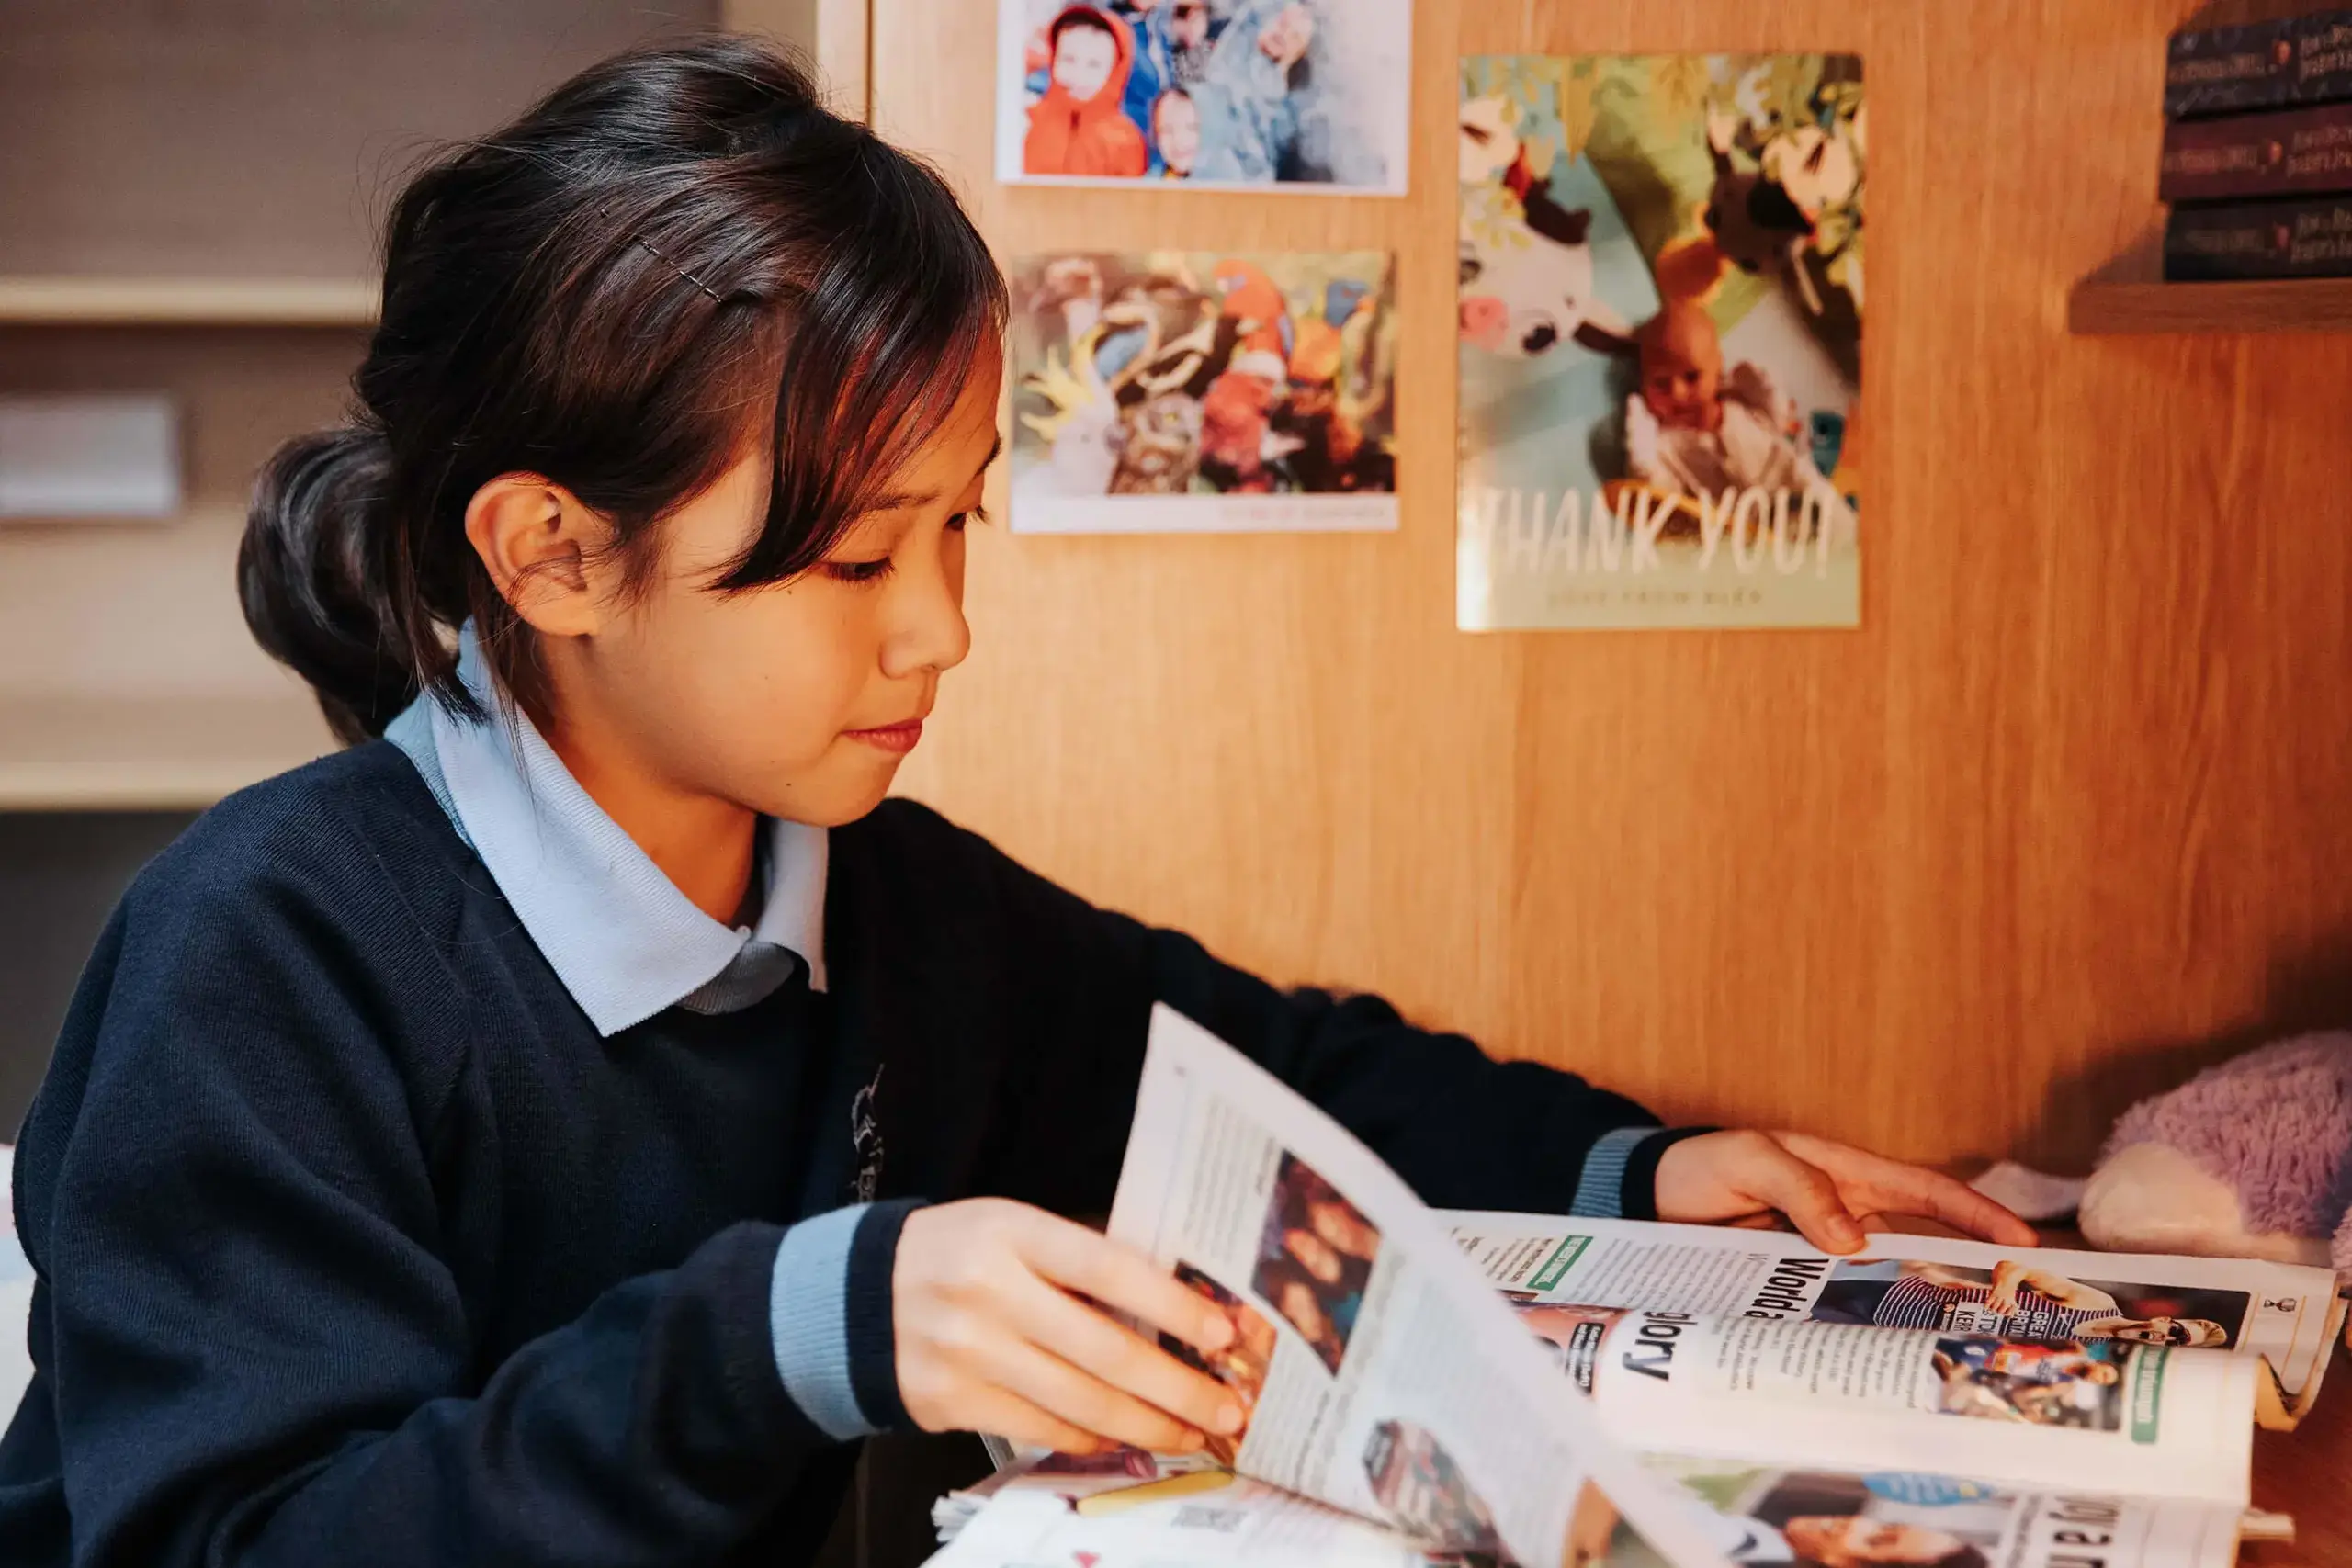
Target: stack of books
{"type": "Point", "coordinates": [2258, 150]}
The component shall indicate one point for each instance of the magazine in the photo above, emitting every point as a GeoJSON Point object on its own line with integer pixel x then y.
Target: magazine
{"type": "Point", "coordinates": [1535, 1391]}
{"type": "Point", "coordinates": [1661, 301]}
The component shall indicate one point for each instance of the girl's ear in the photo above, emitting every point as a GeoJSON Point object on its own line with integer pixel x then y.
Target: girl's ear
{"type": "Point", "coordinates": [541, 546]}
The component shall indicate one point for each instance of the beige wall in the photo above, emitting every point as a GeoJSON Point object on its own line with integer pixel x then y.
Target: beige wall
{"type": "Point", "coordinates": [1959, 884]}
{"type": "Point", "coordinates": [255, 141]}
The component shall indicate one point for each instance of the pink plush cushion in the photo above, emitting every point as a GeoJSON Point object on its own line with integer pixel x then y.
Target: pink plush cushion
{"type": "Point", "coordinates": [2276, 1124]}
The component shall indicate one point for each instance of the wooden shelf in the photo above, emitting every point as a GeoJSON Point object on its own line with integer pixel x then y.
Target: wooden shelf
{"type": "Point", "coordinates": [2129, 295]}
{"type": "Point", "coordinates": [187, 301]}
{"type": "Point", "coordinates": [72, 753]}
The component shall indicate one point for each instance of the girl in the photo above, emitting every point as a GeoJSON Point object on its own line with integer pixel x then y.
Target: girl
{"type": "Point", "coordinates": [505, 1141]}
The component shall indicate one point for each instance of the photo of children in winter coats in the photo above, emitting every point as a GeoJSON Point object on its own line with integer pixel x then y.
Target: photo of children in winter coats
{"type": "Point", "coordinates": [1661, 295]}
{"type": "Point", "coordinates": [1186, 391]}
{"type": "Point", "coordinates": [1222, 94]}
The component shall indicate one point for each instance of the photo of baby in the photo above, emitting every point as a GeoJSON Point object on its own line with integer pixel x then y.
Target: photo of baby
{"type": "Point", "coordinates": [1241, 1366]}
{"type": "Point", "coordinates": [1661, 295]}
{"type": "Point", "coordinates": [1220, 93]}
{"type": "Point", "coordinates": [1314, 1257]}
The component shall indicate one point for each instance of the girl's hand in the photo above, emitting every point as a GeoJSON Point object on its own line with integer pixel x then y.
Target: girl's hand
{"type": "Point", "coordinates": [994, 1335]}
{"type": "Point", "coordinates": [1821, 1186]}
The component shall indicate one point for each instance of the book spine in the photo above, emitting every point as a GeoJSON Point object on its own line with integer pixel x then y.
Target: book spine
{"type": "Point", "coordinates": [2261, 65]}
{"type": "Point", "coordinates": [2248, 157]}
{"type": "Point", "coordinates": [2323, 58]}
{"type": "Point", "coordinates": [2267, 239]}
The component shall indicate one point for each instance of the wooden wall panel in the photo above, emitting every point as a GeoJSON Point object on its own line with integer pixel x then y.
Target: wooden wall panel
{"type": "Point", "coordinates": [265, 138]}
{"type": "Point", "coordinates": [2069, 810]}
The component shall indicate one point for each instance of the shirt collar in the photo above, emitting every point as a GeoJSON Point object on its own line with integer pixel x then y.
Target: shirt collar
{"type": "Point", "coordinates": [618, 933]}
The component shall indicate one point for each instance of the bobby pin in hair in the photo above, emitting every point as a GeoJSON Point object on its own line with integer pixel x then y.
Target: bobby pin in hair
{"type": "Point", "coordinates": [682, 272]}
{"type": "Point", "coordinates": [647, 245]}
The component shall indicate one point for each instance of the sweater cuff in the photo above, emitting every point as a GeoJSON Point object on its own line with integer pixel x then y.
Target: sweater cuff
{"type": "Point", "coordinates": [1637, 1185]}
{"type": "Point", "coordinates": [869, 1302]}
{"type": "Point", "coordinates": [829, 1316]}
{"type": "Point", "coordinates": [1600, 1189]}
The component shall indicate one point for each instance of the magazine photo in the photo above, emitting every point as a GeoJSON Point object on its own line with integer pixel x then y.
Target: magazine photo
{"type": "Point", "coordinates": [1660, 312]}
{"type": "Point", "coordinates": [1222, 95]}
{"type": "Point", "coordinates": [1203, 392]}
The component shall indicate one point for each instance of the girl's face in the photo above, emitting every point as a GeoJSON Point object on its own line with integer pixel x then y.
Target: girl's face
{"type": "Point", "coordinates": [797, 700]}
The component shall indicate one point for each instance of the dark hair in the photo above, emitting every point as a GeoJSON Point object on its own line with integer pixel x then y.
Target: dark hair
{"type": "Point", "coordinates": [611, 293]}
{"type": "Point", "coordinates": [1075, 17]}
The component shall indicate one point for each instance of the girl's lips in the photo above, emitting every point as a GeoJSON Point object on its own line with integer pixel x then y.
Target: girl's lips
{"type": "Point", "coordinates": [896, 738]}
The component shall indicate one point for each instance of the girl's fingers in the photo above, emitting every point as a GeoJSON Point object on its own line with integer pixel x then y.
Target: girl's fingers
{"type": "Point", "coordinates": [1081, 1399]}
{"type": "Point", "coordinates": [1122, 1279]}
{"type": "Point", "coordinates": [1807, 1195]}
{"type": "Point", "coordinates": [1893, 1186]}
{"type": "Point", "coordinates": [1064, 1327]}
{"type": "Point", "coordinates": [1006, 1414]}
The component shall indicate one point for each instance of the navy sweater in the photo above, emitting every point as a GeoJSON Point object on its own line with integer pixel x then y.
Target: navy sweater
{"type": "Point", "coordinates": [357, 1245]}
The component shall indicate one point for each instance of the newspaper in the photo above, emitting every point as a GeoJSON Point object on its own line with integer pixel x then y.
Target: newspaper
{"type": "Point", "coordinates": [1542, 1393]}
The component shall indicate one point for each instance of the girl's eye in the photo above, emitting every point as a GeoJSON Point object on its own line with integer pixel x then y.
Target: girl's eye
{"type": "Point", "coordinates": [858, 570]}
{"type": "Point", "coordinates": [964, 520]}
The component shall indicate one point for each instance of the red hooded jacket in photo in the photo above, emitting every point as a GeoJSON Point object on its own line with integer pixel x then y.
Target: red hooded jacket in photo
{"type": "Point", "coordinates": [1090, 136]}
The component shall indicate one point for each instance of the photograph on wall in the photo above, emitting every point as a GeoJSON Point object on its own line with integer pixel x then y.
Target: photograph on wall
{"type": "Point", "coordinates": [1226, 95]}
{"type": "Point", "coordinates": [1202, 392]}
{"type": "Point", "coordinates": [1660, 308]}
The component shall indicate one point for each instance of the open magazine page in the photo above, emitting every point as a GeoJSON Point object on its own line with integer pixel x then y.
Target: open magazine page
{"type": "Point", "coordinates": [2277, 1311]}
{"type": "Point", "coordinates": [1780, 1516]}
{"type": "Point", "coordinates": [1382, 1374]}
{"type": "Point", "coordinates": [2100, 1414]}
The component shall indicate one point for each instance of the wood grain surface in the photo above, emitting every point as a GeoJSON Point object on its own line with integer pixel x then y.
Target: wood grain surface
{"type": "Point", "coordinates": [2065, 819]}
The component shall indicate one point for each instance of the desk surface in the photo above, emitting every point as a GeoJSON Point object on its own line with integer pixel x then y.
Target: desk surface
{"type": "Point", "coordinates": [2308, 1472]}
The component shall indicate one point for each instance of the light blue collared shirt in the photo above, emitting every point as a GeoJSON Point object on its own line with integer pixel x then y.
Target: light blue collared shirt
{"type": "Point", "coordinates": [627, 944]}
{"type": "Point", "coordinates": [617, 932]}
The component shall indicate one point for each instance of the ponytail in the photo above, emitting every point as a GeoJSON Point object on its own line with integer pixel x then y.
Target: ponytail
{"type": "Point", "coordinates": [312, 574]}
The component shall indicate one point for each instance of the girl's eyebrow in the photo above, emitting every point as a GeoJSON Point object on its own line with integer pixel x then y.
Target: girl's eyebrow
{"type": "Point", "coordinates": [904, 500]}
